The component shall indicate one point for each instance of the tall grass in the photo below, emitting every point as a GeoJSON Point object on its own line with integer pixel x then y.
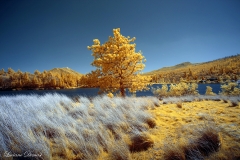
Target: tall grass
{"type": "Point", "coordinates": [56, 127]}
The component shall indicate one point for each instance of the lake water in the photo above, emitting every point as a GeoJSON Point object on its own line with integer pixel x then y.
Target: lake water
{"type": "Point", "coordinates": [90, 92]}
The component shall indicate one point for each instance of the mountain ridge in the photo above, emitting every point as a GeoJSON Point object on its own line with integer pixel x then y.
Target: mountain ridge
{"type": "Point", "coordinates": [189, 64]}
{"type": "Point", "coordinates": [180, 65]}
{"type": "Point", "coordinates": [66, 70]}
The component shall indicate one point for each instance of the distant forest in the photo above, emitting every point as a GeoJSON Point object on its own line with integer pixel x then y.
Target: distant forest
{"type": "Point", "coordinates": [54, 79]}
{"type": "Point", "coordinates": [218, 71]}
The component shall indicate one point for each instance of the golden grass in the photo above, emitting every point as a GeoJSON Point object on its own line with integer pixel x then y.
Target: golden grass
{"type": "Point", "coordinates": [176, 125]}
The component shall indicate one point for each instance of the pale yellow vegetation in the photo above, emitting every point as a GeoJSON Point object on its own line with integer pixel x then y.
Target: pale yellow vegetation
{"type": "Point", "coordinates": [179, 89]}
{"type": "Point", "coordinates": [230, 89]}
{"type": "Point", "coordinates": [118, 64]}
{"type": "Point", "coordinates": [209, 91]}
{"type": "Point", "coordinates": [224, 70]}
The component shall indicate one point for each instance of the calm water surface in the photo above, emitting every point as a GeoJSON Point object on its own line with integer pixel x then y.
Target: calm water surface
{"type": "Point", "coordinates": [91, 92]}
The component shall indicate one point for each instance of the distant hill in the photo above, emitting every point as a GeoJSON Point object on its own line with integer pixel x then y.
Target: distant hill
{"type": "Point", "coordinates": [65, 70]}
{"type": "Point", "coordinates": [219, 70]}
{"type": "Point", "coordinates": [181, 65]}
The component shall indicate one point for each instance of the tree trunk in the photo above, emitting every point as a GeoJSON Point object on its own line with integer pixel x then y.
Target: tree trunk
{"type": "Point", "coordinates": [122, 89]}
{"type": "Point", "coordinates": [122, 92]}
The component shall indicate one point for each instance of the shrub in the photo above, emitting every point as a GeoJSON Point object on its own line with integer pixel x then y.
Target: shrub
{"type": "Point", "coordinates": [161, 92]}
{"type": "Point", "coordinates": [209, 91]}
{"type": "Point", "coordinates": [182, 88]}
{"type": "Point", "coordinates": [110, 95]}
{"type": "Point", "coordinates": [230, 89]}
{"type": "Point", "coordinates": [179, 89]}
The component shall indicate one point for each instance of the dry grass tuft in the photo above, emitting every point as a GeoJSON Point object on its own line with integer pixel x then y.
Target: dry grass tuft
{"type": "Point", "coordinates": [174, 154]}
{"type": "Point", "coordinates": [192, 153]}
{"type": "Point", "coordinates": [231, 153]}
{"type": "Point", "coordinates": [179, 104]}
{"type": "Point", "coordinates": [151, 122]}
{"type": "Point", "coordinates": [234, 103]}
{"type": "Point", "coordinates": [140, 142]}
{"type": "Point", "coordinates": [76, 99]}
{"type": "Point", "coordinates": [156, 104]}
{"type": "Point", "coordinates": [119, 151]}
{"type": "Point", "coordinates": [208, 142]}
{"type": "Point", "coordinates": [50, 132]}
{"type": "Point", "coordinates": [225, 100]}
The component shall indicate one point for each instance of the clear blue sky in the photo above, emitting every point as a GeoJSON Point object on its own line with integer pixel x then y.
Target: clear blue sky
{"type": "Point", "coordinates": [44, 34]}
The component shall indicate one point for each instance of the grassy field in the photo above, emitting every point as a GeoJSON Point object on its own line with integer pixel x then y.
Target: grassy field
{"type": "Point", "coordinates": [56, 127]}
{"type": "Point", "coordinates": [181, 122]}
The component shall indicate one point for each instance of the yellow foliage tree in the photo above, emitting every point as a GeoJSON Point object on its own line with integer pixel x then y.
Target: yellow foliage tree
{"type": "Point", "coordinates": [119, 64]}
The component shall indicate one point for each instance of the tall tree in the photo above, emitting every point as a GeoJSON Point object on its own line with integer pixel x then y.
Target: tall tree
{"type": "Point", "coordinates": [10, 71]}
{"type": "Point", "coordinates": [2, 71]}
{"type": "Point", "coordinates": [37, 73]}
{"type": "Point", "coordinates": [1, 82]}
{"type": "Point", "coordinates": [26, 79]}
{"type": "Point", "coordinates": [119, 65]}
{"type": "Point", "coordinates": [35, 82]}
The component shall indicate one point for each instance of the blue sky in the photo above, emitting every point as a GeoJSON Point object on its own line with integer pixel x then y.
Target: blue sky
{"type": "Point", "coordinates": [55, 33]}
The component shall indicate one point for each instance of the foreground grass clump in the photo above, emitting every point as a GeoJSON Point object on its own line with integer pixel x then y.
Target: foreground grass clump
{"type": "Point", "coordinates": [140, 142]}
{"type": "Point", "coordinates": [57, 127]}
{"type": "Point", "coordinates": [207, 141]}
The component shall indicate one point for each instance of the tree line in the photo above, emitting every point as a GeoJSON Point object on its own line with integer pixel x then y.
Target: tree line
{"type": "Point", "coordinates": [38, 80]}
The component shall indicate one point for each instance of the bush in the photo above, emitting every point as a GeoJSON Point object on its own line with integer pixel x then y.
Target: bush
{"type": "Point", "coordinates": [209, 91]}
{"type": "Point", "coordinates": [161, 92]}
{"type": "Point", "coordinates": [179, 89]}
{"type": "Point", "coordinates": [230, 89]}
